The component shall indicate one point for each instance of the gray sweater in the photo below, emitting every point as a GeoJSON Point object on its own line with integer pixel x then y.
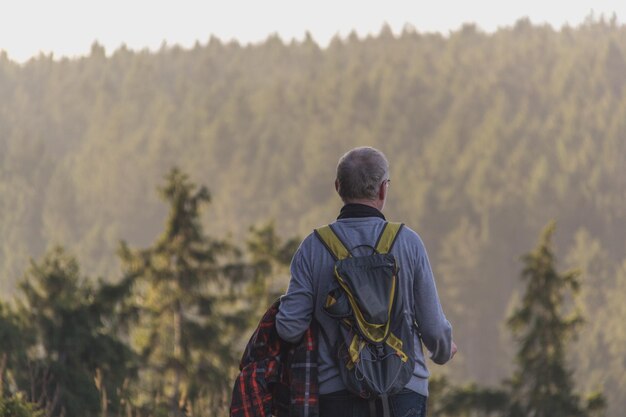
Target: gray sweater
{"type": "Point", "coordinates": [311, 275]}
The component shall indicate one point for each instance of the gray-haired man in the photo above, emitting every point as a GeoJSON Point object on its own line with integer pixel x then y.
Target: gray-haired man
{"type": "Point", "coordinates": [363, 184]}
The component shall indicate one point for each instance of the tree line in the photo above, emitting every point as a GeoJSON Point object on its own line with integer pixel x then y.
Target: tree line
{"type": "Point", "coordinates": [164, 339]}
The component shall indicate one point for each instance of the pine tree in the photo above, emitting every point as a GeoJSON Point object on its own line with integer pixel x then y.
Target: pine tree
{"type": "Point", "coordinates": [270, 257]}
{"type": "Point", "coordinates": [542, 385]}
{"type": "Point", "coordinates": [191, 306]}
{"type": "Point", "coordinates": [76, 364]}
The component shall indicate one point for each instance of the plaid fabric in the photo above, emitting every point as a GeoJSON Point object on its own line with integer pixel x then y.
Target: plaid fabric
{"type": "Point", "coordinates": [277, 378]}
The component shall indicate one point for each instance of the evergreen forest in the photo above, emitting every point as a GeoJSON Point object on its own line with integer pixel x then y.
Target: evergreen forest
{"type": "Point", "coordinates": [150, 202]}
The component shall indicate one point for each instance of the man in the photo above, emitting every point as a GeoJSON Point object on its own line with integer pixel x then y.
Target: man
{"type": "Point", "coordinates": [363, 184]}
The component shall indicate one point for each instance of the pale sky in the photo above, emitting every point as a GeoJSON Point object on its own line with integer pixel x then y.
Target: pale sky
{"type": "Point", "coordinates": [69, 27]}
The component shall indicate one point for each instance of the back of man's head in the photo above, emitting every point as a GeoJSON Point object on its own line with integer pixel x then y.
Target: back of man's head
{"type": "Point", "coordinates": [360, 173]}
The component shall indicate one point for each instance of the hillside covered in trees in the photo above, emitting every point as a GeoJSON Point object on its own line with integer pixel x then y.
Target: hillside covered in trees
{"type": "Point", "coordinates": [489, 136]}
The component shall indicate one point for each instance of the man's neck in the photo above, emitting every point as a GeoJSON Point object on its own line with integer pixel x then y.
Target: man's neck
{"type": "Point", "coordinates": [358, 210]}
{"type": "Point", "coordinates": [377, 204]}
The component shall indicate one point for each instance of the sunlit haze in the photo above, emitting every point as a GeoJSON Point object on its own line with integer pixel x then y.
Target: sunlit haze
{"type": "Point", "coordinates": [69, 27]}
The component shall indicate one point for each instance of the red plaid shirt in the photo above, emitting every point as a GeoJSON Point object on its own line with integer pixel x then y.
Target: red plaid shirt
{"type": "Point", "coordinates": [277, 378]}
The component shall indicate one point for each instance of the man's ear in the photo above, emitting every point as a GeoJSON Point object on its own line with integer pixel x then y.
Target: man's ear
{"type": "Point", "coordinates": [382, 191]}
{"type": "Point", "coordinates": [337, 186]}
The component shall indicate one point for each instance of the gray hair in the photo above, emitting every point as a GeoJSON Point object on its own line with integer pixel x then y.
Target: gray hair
{"type": "Point", "coordinates": [360, 172]}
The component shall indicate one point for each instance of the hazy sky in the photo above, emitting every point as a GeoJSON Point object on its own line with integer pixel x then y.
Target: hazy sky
{"type": "Point", "coordinates": [69, 27]}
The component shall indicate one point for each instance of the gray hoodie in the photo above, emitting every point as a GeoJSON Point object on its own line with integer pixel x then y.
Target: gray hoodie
{"type": "Point", "coordinates": [312, 273]}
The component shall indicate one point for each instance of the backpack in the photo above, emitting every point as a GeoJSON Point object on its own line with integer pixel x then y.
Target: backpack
{"type": "Point", "coordinates": [375, 347]}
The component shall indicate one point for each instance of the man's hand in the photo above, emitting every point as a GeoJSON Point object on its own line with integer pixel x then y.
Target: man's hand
{"type": "Point", "coordinates": [453, 350]}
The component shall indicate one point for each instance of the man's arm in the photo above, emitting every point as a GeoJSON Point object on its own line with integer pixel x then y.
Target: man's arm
{"type": "Point", "coordinates": [435, 329]}
{"type": "Point", "coordinates": [296, 306]}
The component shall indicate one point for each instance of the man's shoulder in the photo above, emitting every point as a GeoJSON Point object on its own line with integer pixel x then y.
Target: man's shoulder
{"type": "Point", "coordinates": [410, 237]}
{"type": "Point", "coordinates": [410, 233]}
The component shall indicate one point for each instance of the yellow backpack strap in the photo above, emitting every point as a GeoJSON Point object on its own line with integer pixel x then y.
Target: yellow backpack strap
{"type": "Point", "coordinates": [332, 242]}
{"type": "Point", "coordinates": [388, 237]}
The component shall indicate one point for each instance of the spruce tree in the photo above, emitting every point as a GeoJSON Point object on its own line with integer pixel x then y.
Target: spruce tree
{"type": "Point", "coordinates": [76, 364]}
{"type": "Point", "coordinates": [542, 385]}
{"type": "Point", "coordinates": [270, 258]}
{"type": "Point", "coordinates": [189, 289]}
